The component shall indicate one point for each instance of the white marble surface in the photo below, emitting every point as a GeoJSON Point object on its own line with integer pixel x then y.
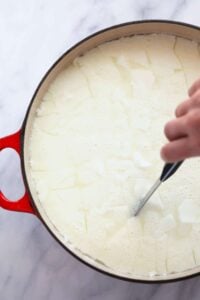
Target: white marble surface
{"type": "Point", "coordinates": [32, 35]}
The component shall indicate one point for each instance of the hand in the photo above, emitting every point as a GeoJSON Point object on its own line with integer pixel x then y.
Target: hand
{"type": "Point", "coordinates": [183, 132]}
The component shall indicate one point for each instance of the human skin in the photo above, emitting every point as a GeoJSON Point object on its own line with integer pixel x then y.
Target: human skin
{"type": "Point", "coordinates": [183, 132]}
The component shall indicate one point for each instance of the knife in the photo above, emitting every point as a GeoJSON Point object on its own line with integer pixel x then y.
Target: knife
{"type": "Point", "coordinates": [168, 170]}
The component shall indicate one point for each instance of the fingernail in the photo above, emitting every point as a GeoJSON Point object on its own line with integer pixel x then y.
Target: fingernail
{"type": "Point", "coordinates": [162, 154]}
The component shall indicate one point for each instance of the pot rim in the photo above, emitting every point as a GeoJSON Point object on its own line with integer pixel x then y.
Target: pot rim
{"type": "Point", "coordinates": [22, 143]}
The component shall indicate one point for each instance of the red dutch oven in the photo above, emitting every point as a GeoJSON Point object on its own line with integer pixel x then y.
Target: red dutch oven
{"type": "Point", "coordinates": [18, 141]}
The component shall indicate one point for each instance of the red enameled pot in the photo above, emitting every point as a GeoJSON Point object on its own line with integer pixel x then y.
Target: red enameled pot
{"type": "Point", "coordinates": [18, 141]}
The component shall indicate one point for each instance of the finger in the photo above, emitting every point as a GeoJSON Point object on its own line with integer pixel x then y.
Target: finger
{"type": "Point", "coordinates": [194, 87]}
{"type": "Point", "coordinates": [177, 150]}
{"type": "Point", "coordinates": [186, 106]}
{"type": "Point", "coordinates": [175, 129]}
{"type": "Point", "coordinates": [183, 108]}
{"type": "Point", "coordinates": [192, 122]}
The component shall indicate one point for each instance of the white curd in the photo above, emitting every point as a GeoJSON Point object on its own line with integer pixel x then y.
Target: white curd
{"type": "Point", "coordinates": [94, 151]}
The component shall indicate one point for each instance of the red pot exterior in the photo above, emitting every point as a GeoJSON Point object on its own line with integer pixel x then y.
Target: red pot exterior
{"type": "Point", "coordinates": [23, 204]}
{"type": "Point", "coordinates": [16, 141]}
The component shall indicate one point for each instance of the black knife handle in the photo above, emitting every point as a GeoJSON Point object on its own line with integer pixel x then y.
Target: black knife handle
{"type": "Point", "coordinates": [169, 169]}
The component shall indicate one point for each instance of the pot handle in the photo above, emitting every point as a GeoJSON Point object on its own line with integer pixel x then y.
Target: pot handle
{"type": "Point", "coordinates": [23, 204]}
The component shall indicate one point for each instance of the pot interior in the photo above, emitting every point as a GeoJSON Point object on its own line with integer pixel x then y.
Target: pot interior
{"type": "Point", "coordinates": [113, 33]}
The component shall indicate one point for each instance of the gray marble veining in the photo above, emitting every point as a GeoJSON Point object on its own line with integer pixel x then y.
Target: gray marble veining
{"type": "Point", "coordinates": [32, 35]}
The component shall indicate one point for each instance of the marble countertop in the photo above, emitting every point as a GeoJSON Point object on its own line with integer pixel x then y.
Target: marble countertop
{"type": "Point", "coordinates": [32, 35]}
